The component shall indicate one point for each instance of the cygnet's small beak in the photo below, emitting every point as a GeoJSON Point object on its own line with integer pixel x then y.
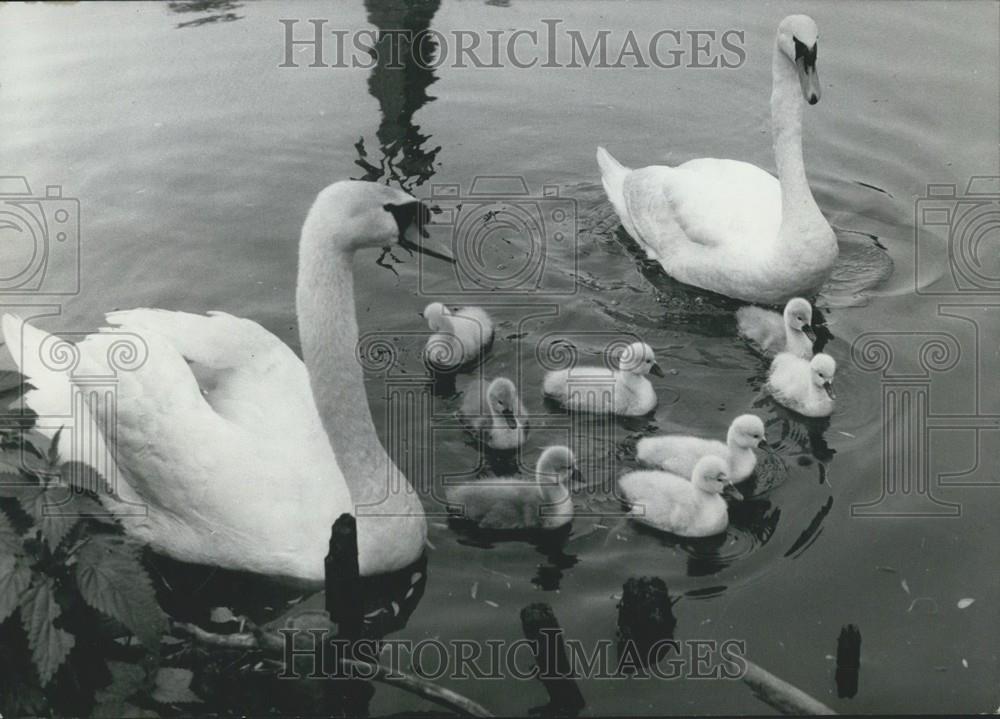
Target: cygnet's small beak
{"type": "Point", "coordinates": [763, 444]}
{"type": "Point", "coordinates": [828, 386]}
{"type": "Point", "coordinates": [575, 475]}
{"type": "Point", "coordinates": [809, 332]}
{"type": "Point", "coordinates": [656, 370]}
{"type": "Point", "coordinates": [511, 420]}
{"type": "Point", "coordinates": [733, 492]}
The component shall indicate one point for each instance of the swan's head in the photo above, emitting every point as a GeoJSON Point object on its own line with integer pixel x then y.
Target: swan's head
{"type": "Point", "coordinates": [798, 314]}
{"type": "Point", "coordinates": [823, 367]}
{"type": "Point", "coordinates": [556, 463]}
{"type": "Point", "coordinates": [501, 395]}
{"type": "Point", "coordinates": [710, 475]}
{"type": "Point", "coordinates": [355, 214]}
{"type": "Point", "coordinates": [746, 431]}
{"type": "Point", "coordinates": [435, 314]}
{"type": "Point", "coordinates": [638, 358]}
{"type": "Point", "coordinates": [798, 38]}
{"type": "Point", "coordinates": [555, 468]}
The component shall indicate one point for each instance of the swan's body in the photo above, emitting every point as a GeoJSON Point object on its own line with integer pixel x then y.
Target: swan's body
{"type": "Point", "coordinates": [804, 386]}
{"type": "Point", "coordinates": [544, 502]}
{"type": "Point", "coordinates": [680, 453]}
{"type": "Point", "coordinates": [585, 389]}
{"type": "Point", "coordinates": [772, 333]}
{"type": "Point", "coordinates": [672, 503]}
{"type": "Point", "coordinates": [729, 226]}
{"type": "Point", "coordinates": [228, 451]}
{"type": "Point", "coordinates": [460, 336]}
{"type": "Point", "coordinates": [494, 411]}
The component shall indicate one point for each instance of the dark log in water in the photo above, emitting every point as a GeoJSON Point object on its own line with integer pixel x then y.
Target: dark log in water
{"type": "Point", "coordinates": [541, 627]}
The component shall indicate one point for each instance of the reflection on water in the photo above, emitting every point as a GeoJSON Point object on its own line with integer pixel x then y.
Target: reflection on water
{"type": "Point", "coordinates": [399, 81]}
{"type": "Point", "coordinates": [215, 11]}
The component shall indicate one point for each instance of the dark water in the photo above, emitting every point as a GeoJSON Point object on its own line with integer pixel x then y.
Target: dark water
{"type": "Point", "coordinates": [195, 157]}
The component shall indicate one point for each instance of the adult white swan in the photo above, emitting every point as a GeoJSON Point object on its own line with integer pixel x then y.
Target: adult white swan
{"type": "Point", "coordinates": [242, 455]}
{"type": "Point", "coordinates": [729, 226]}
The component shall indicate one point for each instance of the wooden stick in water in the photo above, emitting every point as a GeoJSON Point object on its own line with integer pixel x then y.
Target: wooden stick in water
{"type": "Point", "coordinates": [541, 627]}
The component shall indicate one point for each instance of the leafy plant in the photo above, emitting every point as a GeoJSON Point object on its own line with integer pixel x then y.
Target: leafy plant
{"type": "Point", "coordinates": [69, 579]}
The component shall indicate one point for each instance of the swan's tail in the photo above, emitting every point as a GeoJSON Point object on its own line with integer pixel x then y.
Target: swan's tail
{"type": "Point", "coordinates": [47, 362]}
{"type": "Point", "coordinates": [613, 174]}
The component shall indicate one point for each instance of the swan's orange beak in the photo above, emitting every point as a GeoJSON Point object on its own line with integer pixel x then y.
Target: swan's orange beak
{"type": "Point", "coordinates": [805, 63]}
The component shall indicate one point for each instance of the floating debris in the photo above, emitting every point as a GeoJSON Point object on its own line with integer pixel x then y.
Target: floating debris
{"type": "Point", "coordinates": [475, 590]}
{"type": "Point", "coordinates": [964, 603]}
{"type": "Point", "coordinates": [492, 604]}
{"type": "Point", "coordinates": [905, 586]}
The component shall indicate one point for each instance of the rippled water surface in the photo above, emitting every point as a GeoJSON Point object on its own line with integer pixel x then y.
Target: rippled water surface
{"type": "Point", "coordinates": [195, 157]}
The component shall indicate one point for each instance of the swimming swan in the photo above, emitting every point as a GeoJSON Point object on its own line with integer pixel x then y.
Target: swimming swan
{"type": "Point", "coordinates": [460, 335]}
{"type": "Point", "coordinates": [250, 471]}
{"type": "Point", "coordinates": [493, 411]}
{"type": "Point", "coordinates": [772, 333]}
{"type": "Point", "coordinates": [679, 453]}
{"type": "Point", "coordinates": [671, 503]}
{"type": "Point", "coordinates": [805, 386]}
{"type": "Point", "coordinates": [516, 503]}
{"type": "Point", "coordinates": [729, 226]}
{"type": "Point", "coordinates": [583, 388]}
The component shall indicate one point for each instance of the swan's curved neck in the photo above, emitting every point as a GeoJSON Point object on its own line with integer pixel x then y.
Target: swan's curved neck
{"type": "Point", "coordinates": [329, 332]}
{"type": "Point", "coordinates": [797, 204]}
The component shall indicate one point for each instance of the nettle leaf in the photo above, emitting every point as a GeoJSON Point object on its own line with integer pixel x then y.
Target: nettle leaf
{"type": "Point", "coordinates": [15, 576]}
{"type": "Point", "coordinates": [10, 540]}
{"type": "Point", "coordinates": [49, 644]}
{"type": "Point", "coordinates": [54, 511]}
{"type": "Point", "coordinates": [173, 686]}
{"type": "Point", "coordinates": [53, 454]}
{"type": "Point", "coordinates": [126, 680]}
{"type": "Point", "coordinates": [12, 482]}
{"type": "Point", "coordinates": [113, 581]}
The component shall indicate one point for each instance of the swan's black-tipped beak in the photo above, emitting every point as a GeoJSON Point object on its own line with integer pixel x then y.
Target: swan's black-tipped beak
{"type": "Point", "coordinates": [805, 63]}
{"type": "Point", "coordinates": [412, 219]}
{"type": "Point", "coordinates": [829, 390]}
{"type": "Point", "coordinates": [509, 418]}
{"type": "Point", "coordinates": [656, 370]}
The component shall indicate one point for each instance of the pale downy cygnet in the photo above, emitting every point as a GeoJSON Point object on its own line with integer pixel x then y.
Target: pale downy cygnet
{"type": "Point", "coordinates": [671, 503]}
{"type": "Point", "coordinates": [772, 333]}
{"type": "Point", "coordinates": [679, 453]}
{"type": "Point", "coordinates": [805, 386]}
{"type": "Point", "coordinates": [460, 335]}
{"type": "Point", "coordinates": [494, 411]}
{"type": "Point", "coordinates": [542, 502]}
{"type": "Point", "coordinates": [624, 391]}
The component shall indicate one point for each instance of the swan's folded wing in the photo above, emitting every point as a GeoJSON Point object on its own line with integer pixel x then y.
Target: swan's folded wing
{"type": "Point", "coordinates": [248, 375]}
{"type": "Point", "coordinates": [707, 202]}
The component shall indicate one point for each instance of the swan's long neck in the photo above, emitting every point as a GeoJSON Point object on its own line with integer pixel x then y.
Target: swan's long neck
{"type": "Point", "coordinates": [798, 208]}
{"type": "Point", "coordinates": [329, 332]}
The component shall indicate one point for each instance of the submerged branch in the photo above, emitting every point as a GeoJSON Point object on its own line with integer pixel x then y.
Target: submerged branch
{"type": "Point", "coordinates": [271, 642]}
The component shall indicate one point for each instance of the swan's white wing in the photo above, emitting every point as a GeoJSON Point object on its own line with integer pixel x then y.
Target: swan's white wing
{"type": "Point", "coordinates": [708, 202]}
{"type": "Point", "coordinates": [248, 375]}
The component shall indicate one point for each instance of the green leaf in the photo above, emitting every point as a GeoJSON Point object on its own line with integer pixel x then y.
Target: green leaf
{"type": "Point", "coordinates": [113, 581]}
{"type": "Point", "coordinates": [53, 453]}
{"type": "Point", "coordinates": [15, 576]}
{"type": "Point", "coordinates": [49, 644]}
{"type": "Point", "coordinates": [126, 680]}
{"type": "Point", "coordinates": [54, 510]}
{"type": "Point", "coordinates": [13, 483]}
{"type": "Point", "coordinates": [173, 686]}
{"type": "Point", "coordinates": [10, 541]}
